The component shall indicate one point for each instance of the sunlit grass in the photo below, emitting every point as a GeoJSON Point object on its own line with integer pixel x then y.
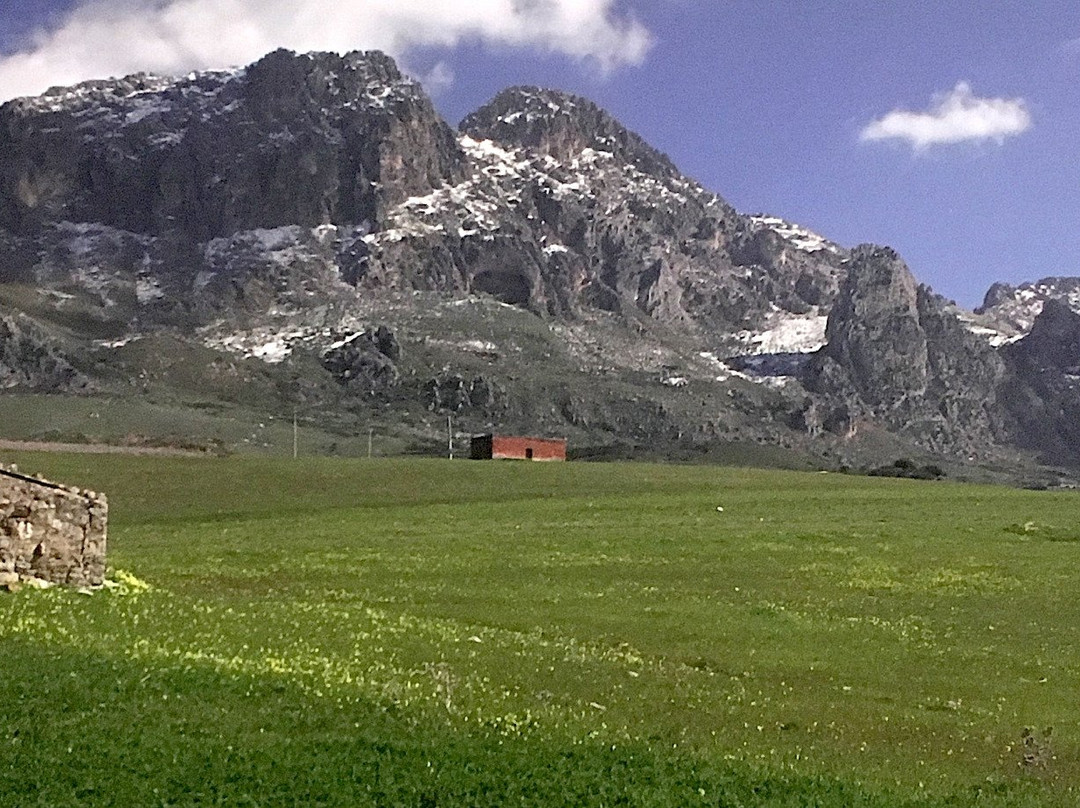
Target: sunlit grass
{"type": "Point", "coordinates": [538, 634]}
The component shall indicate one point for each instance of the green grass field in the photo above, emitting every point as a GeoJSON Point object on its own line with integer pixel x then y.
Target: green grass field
{"type": "Point", "coordinates": [422, 633]}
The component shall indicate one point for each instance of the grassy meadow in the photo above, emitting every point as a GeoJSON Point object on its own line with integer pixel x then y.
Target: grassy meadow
{"type": "Point", "coordinates": [436, 633]}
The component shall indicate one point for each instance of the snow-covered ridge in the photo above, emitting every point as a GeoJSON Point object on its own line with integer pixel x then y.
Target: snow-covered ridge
{"type": "Point", "coordinates": [799, 237]}
{"type": "Point", "coordinates": [136, 96]}
{"type": "Point", "coordinates": [538, 104]}
{"type": "Point", "coordinates": [1017, 310]}
{"type": "Point", "coordinates": [132, 99]}
{"type": "Point", "coordinates": [476, 206]}
{"type": "Point", "coordinates": [475, 203]}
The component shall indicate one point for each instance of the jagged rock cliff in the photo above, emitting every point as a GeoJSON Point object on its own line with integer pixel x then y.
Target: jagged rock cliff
{"type": "Point", "coordinates": [895, 354]}
{"type": "Point", "coordinates": [289, 141]}
{"type": "Point", "coordinates": [1043, 392]}
{"type": "Point", "coordinates": [310, 173]}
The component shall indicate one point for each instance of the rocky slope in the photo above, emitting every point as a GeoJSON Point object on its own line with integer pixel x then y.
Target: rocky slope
{"type": "Point", "coordinates": [308, 232]}
{"type": "Point", "coordinates": [29, 360]}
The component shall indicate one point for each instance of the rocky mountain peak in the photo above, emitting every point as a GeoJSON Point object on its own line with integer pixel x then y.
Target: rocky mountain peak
{"type": "Point", "coordinates": [1015, 308]}
{"type": "Point", "coordinates": [293, 139]}
{"type": "Point", "coordinates": [898, 355]}
{"type": "Point", "coordinates": [1042, 391]}
{"type": "Point", "coordinates": [369, 79]}
{"type": "Point", "coordinates": [1054, 339]}
{"type": "Point", "coordinates": [561, 125]}
{"type": "Point", "coordinates": [873, 331]}
{"type": "Point", "coordinates": [997, 294]}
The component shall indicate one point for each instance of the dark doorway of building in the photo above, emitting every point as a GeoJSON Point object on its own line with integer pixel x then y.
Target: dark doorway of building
{"type": "Point", "coordinates": [528, 454]}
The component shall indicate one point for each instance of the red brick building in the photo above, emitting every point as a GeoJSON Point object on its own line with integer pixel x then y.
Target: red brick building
{"type": "Point", "coordinates": [505, 447]}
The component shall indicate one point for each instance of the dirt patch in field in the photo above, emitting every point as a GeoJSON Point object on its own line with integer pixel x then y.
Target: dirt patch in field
{"type": "Point", "coordinates": [95, 448]}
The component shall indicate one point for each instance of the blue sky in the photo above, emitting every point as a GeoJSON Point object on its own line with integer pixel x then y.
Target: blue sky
{"type": "Point", "coordinates": [771, 105]}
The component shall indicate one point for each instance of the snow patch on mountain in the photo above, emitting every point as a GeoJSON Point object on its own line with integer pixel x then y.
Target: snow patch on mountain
{"type": "Point", "coordinates": [996, 332]}
{"type": "Point", "coordinates": [799, 237]}
{"type": "Point", "coordinates": [786, 333]}
{"type": "Point", "coordinates": [278, 245]}
{"type": "Point", "coordinates": [477, 205]}
{"type": "Point", "coordinates": [269, 344]}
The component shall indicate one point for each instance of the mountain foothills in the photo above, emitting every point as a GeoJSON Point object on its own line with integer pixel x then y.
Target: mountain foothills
{"type": "Point", "coordinates": [308, 236]}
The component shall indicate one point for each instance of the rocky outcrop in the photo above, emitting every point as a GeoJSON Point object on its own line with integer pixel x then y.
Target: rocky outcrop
{"type": "Point", "coordinates": [28, 361]}
{"type": "Point", "coordinates": [895, 355]}
{"type": "Point", "coordinates": [364, 362]}
{"type": "Point", "coordinates": [452, 392]}
{"type": "Point", "coordinates": [876, 349]}
{"type": "Point", "coordinates": [1043, 391]}
{"type": "Point", "coordinates": [1014, 308]}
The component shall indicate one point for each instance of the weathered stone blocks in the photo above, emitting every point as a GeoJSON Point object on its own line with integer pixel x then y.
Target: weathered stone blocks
{"type": "Point", "coordinates": [50, 532]}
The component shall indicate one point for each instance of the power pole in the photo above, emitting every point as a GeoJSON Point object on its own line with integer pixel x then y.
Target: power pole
{"type": "Point", "coordinates": [450, 435]}
{"type": "Point", "coordinates": [295, 437]}
{"type": "Point", "coordinates": [370, 435]}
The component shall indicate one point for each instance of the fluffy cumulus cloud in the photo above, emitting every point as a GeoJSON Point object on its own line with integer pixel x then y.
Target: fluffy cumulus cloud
{"type": "Point", "coordinates": [953, 117]}
{"type": "Point", "coordinates": [99, 38]}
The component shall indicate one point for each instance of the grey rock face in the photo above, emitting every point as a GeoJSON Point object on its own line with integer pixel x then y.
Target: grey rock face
{"type": "Point", "coordinates": [875, 341]}
{"type": "Point", "coordinates": [895, 355]}
{"type": "Point", "coordinates": [615, 227]}
{"type": "Point", "coordinates": [365, 362]}
{"type": "Point", "coordinates": [292, 140]}
{"type": "Point", "coordinates": [452, 392]}
{"type": "Point", "coordinates": [1016, 307]}
{"type": "Point", "coordinates": [1053, 343]}
{"type": "Point", "coordinates": [1043, 392]}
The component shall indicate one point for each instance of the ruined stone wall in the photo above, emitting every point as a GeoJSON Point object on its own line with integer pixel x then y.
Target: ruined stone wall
{"type": "Point", "coordinates": [50, 532]}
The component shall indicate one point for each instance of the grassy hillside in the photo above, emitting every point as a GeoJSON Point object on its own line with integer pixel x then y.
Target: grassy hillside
{"type": "Point", "coordinates": [398, 632]}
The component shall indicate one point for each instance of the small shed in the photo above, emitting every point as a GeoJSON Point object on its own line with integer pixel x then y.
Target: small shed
{"type": "Point", "coordinates": [507, 447]}
{"type": "Point", "coordinates": [50, 532]}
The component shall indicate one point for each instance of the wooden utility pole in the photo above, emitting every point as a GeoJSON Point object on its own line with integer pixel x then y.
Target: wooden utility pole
{"type": "Point", "coordinates": [450, 435]}
{"type": "Point", "coordinates": [370, 435]}
{"type": "Point", "coordinates": [295, 437]}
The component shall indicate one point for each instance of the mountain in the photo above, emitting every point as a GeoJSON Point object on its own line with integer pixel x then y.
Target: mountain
{"type": "Point", "coordinates": [307, 234]}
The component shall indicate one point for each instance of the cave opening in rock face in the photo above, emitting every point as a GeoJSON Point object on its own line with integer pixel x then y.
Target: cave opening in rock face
{"type": "Point", "coordinates": [505, 285]}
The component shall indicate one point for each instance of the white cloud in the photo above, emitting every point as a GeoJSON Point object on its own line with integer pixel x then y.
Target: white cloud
{"type": "Point", "coordinates": [437, 80]}
{"type": "Point", "coordinates": [100, 38]}
{"type": "Point", "coordinates": [954, 117]}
